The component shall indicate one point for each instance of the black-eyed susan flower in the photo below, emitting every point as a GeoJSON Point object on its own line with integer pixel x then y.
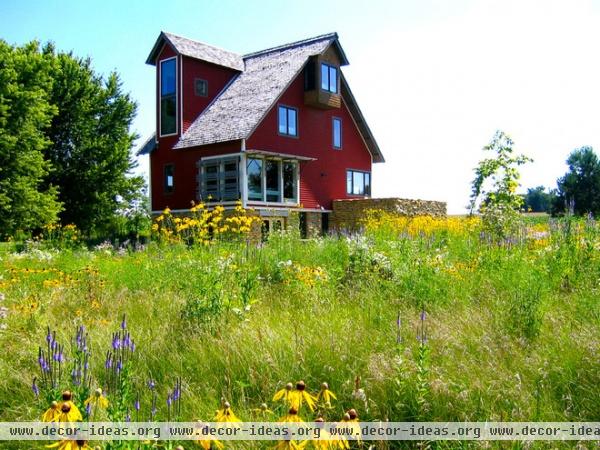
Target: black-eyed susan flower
{"type": "Point", "coordinates": [283, 394]}
{"type": "Point", "coordinates": [69, 445]}
{"type": "Point", "coordinates": [263, 411]}
{"type": "Point", "coordinates": [291, 416]}
{"type": "Point", "coordinates": [299, 396]}
{"type": "Point", "coordinates": [351, 419]}
{"type": "Point", "coordinates": [52, 413]}
{"type": "Point", "coordinates": [326, 442]}
{"type": "Point", "coordinates": [226, 414]}
{"type": "Point", "coordinates": [68, 410]}
{"type": "Point", "coordinates": [208, 444]}
{"type": "Point", "coordinates": [97, 400]}
{"type": "Point", "coordinates": [325, 395]}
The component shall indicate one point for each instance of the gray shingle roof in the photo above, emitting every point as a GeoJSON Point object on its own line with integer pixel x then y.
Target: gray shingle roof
{"type": "Point", "coordinates": [237, 111]}
{"type": "Point", "coordinates": [197, 50]}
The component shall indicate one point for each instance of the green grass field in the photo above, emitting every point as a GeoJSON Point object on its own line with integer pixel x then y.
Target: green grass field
{"type": "Point", "coordinates": [429, 323]}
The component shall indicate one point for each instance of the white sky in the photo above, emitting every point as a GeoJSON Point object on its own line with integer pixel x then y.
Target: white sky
{"type": "Point", "coordinates": [434, 90]}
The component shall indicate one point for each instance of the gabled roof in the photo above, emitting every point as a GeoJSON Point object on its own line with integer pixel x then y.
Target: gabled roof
{"type": "Point", "coordinates": [197, 50]}
{"type": "Point", "coordinates": [238, 110]}
{"type": "Point", "coordinates": [265, 75]}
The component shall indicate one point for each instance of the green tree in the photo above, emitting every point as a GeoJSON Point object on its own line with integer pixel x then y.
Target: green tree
{"type": "Point", "coordinates": [91, 144]}
{"type": "Point", "coordinates": [494, 188]}
{"type": "Point", "coordinates": [25, 115]}
{"type": "Point", "coordinates": [538, 199]}
{"type": "Point", "coordinates": [579, 188]}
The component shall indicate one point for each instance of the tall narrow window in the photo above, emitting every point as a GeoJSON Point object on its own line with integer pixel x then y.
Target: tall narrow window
{"type": "Point", "coordinates": [219, 180]}
{"type": "Point", "coordinates": [358, 183]}
{"type": "Point", "coordinates": [168, 96]}
{"type": "Point", "coordinates": [254, 170]}
{"type": "Point", "coordinates": [290, 182]}
{"type": "Point", "coordinates": [337, 133]}
{"type": "Point", "coordinates": [272, 181]}
{"type": "Point", "coordinates": [169, 178]}
{"type": "Point", "coordinates": [329, 78]}
{"type": "Point", "coordinates": [288, 121]}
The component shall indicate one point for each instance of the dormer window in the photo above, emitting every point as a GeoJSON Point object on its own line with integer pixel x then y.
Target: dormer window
{"type": "Point", "coordinates": [329, 78]}
{"type": "Point", "coordinates": [168, 96]}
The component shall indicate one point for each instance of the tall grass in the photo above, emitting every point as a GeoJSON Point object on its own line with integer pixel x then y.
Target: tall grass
{"type": "Point", "coordinates": [512, 328]}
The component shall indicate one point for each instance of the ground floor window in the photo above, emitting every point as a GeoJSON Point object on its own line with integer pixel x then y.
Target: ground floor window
{"type": "Point", "coordinates": [219, 180]}
{"type": "Point", "coordinates": [358, 182]}
{"type": "Point", "coordinates": [270, 225]}
{"type": "Point", "coordinates": [272, 180]}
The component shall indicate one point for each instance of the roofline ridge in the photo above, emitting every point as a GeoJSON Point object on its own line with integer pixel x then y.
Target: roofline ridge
{"type": "Point", "coordinates": [321, 37]}
{"type": "Point", "coordinates": [200, 42]}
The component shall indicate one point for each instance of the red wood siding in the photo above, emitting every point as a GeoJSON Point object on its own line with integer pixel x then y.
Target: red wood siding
{"type": "Point", "coordinates": [184, 161]}
{"type": "Point", "coordinates": [323, 180]}
{"type": "Point", "coordinates": [216, 76]}
{"type": "Point", "coordinates": [185, 171]}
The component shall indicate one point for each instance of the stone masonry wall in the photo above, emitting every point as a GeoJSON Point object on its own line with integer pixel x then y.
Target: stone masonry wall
{"type": "Point", "coordinates": [347, 214]}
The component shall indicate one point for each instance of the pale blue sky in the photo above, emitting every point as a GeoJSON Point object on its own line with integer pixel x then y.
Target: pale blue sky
{"type": "Point", "coordinates": [434, 78]}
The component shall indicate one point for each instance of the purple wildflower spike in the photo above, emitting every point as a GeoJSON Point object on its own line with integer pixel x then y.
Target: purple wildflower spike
{"type": "Point", "coordinates": [35, 388]}
{"type": "Point", "coordinates": [136, 405]}
{"type": "Point", "coordinates": [124, 322]}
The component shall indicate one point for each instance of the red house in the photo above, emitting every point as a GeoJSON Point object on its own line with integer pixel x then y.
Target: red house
{"type": "Point", "coordinates": [278, 129]}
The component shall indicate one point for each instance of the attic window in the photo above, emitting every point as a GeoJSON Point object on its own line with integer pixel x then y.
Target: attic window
{"type": "Point", "coordinates": [201, 87]}
{"type": "Point", "coordinates": [329, 78]}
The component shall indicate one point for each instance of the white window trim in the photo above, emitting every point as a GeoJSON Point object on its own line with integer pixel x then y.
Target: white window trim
{"type": "Point", "coordinates": [160, 98]}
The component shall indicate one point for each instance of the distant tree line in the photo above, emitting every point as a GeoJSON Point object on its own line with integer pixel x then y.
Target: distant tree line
{"type": "Point", "coordinates": [577, 192]}
{"type": "Point", "coordinates": [65, 143]}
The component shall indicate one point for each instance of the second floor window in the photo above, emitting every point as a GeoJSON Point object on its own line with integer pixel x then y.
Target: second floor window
{"type": "Point", "coordinates": [329, 78]}
{"type": "Point", "coordinates": [337, 132]}
{"type": "Point", "coordinates": [201, 87]}
{"type": "Point", "coordinates": [288, 121]}
{"type": "Point", "coordinates": [358, 183]}
{"type": "Point", "coordinates": [168, 96]}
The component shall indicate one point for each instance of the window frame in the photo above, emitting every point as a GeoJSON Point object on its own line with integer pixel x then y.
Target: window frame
{"type": "Point", "coordinates": [161, 96]}
{"type": "Point", "coordinates": [365, 173]}
{"type": "Point", "coordinates": [333, 121]}
{"type": "Point", "coordinates": [219, 194]}
{"type": "Point", "coordinates": [287, 117]}
{"type": "Point", "coordinates": [170, 167]}
{"type": "Point", "coordinates": [281, 198]}
{"type": "Point", "coordinates": [205, 82]}
{"type": "Point", "coordinates": [330, 67]}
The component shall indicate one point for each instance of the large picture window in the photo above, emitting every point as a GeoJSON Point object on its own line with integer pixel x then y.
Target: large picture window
{"type": "Point", "coordinates": [168, 96]}
{"type": "Point", "coordinates": [272, 180]}
{"type": "Point", "coordinates": [358, 183]}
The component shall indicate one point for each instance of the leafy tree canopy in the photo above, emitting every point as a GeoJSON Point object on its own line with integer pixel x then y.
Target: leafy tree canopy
{"type": "Point", "coordinates": [538, 199]}
{"type": "Point", "coordinates": [70, 136]}
{"type": "Point", "coordinates": [579, 188]}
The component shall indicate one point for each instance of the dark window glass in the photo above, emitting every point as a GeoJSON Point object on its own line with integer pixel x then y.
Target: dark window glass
{"type": "Point", "coordinates": [288, 121]}
{"type": "Point", "coordinates": [309, 75]}
{"type": "Point", "coordinates": [201, 87]}
{"type": "Point", "coordinates": [168, 97]}
{"type": "Point", "coordinates": [289, 181]}
{"type": "Point", "coordinates": [169, 178]}
{"type": "Point", "coordinates": [168, 77]}
{"type": "Point", "coordinates": [230, 189]}
{"type": "Point", "coordinates": [272, 180]}
{"type": "Point", "coordinates": [358, 183]}
{"type": "Point", "coordinates": [254, 169]}
{"type": "Point", "coordinates": [337, 133]}
{"type": "Point", "coordinates": [329, 78]}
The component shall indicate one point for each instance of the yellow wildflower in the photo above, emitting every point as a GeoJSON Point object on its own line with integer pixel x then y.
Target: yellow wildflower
{"type": "Point", "coordinates": [51, 413]}
{"type": "Point", "coordinates": [325, 394]}
{"type": "Point", "coordinates": [226, 414]}
{"type": "Point", "coordinates": [68, 410]}
{"type": "Point", "coordinates": [283, 394]}
{"type": "Point", "coordinates": [291, 416]}
{"type": "Point", "coordinates": [69, 445]}
{"type": "Point", "coordinates": [299, 396]}
{"type": "Point", "coordinates": [97, 400]}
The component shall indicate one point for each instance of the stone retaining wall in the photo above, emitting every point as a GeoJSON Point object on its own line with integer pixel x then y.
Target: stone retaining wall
{"type": "Point", "coordinates": [347, 214]}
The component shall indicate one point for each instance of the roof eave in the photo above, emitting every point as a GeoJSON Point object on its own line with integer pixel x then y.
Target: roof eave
{"type": "Point", "coordinates": [151, 60]}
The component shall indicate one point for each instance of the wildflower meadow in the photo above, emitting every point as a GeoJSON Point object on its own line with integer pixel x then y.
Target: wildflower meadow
{"type": "Point", "coordinates": [412, 319]}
